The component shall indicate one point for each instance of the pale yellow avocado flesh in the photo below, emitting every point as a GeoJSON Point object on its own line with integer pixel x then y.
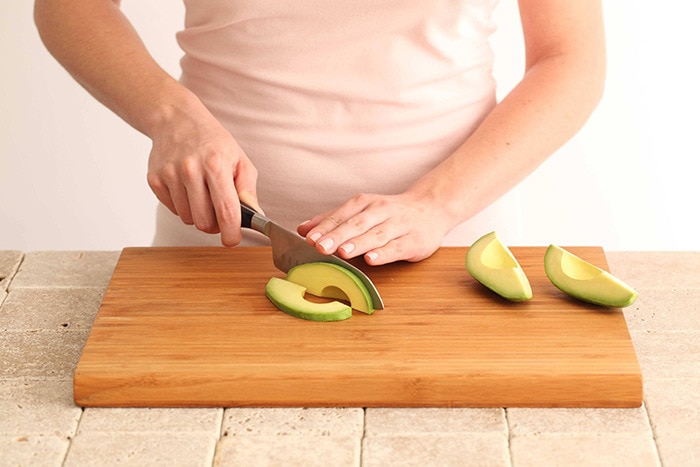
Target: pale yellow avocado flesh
{"type": "Point", "coordinates": [584, 281]}
{"type": "Point", "coordinates": [493, 264]}
{"type": "Point", "coordinates": [332, 281]}
{"type": "Point", "coordinates": [289, 297]}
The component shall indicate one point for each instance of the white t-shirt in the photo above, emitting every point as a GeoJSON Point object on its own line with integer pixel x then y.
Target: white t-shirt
{"type": "Point", "coordinates": [331, 99]}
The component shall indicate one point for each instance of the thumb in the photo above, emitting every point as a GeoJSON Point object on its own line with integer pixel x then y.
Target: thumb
{"type": "Point", "coordinates": [251, 200]}
{"type": "Point", "coordinates": [246, 179]}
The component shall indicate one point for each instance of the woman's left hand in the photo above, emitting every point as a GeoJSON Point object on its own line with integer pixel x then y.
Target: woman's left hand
{"type": "Point", "coordinates": [383, 228]}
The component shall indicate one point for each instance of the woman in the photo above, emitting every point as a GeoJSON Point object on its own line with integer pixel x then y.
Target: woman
{"type": "Point", "coordinates": [374, 120]}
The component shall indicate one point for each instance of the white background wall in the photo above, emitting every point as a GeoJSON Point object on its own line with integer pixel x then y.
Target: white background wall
{"type": "Point", "coordinates": [72, 175]}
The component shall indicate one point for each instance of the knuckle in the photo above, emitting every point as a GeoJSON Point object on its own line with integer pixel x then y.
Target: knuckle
{"type": "Point", "coordinates": [213, 161]}
{"type": "Point", "coordinates": [362, 199]}
{"type": "Point", "coordinates": [358, 223]}
{"type": "Point", "coordinates": [225, 210]}
{"type": "Point", "coordinates": [188, 169]}
{"type": "Point", "coordinates": [335, 220]}
{"type": "Point", "coordinates": [155, 182]}
{"type": "Point", "coordinates": [168, 174]}
{"type": "Point", "coordinates": [377, 236]}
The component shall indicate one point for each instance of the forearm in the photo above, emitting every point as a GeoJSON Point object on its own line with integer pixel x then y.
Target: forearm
{"type": "Point", "coordinates": [549, 105]}
{"type": "Point", "coordinates": [195, 168]}
{"type": "Point", "coordinates": [98, 46]}
{"type": "Point", "coordinates": [563, 83]}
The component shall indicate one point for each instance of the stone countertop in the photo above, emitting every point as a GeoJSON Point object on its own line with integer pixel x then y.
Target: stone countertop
{"type": "Point", "coordinates": [48, 301]}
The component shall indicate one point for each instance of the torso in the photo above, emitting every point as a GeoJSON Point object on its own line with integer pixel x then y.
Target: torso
{"type": "Point", "coordinates": [330, 99]}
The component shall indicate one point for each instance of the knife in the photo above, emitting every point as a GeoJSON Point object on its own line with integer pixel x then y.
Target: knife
{"type": "Point", "coordinates": [290, 249]}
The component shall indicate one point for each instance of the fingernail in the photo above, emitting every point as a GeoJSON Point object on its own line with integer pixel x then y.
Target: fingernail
{"type": "Point", "coordinates": [305, 222]}
{"type": "Point", "coordinates": [315, 236]}
{"type": "Point", "coordinates": [372, 255]}
{"type": "Point", "coordinates": [326, 243]}
{"type": "Point", "coordinates": [347, 248]}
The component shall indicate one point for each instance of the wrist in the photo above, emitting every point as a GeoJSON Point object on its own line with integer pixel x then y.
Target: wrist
{"type": "Point", "coordinates": [439, 202]}
{"type": "Point", "coordinates": [173, 106]}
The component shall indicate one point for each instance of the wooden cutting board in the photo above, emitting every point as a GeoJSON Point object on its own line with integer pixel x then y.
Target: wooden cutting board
{"type": "Point", "coordinates": [191, 327]}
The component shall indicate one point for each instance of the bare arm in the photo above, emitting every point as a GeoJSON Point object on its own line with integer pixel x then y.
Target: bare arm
{"type": "Point", "coordinates": [562, 84]}
{"type": "Point", "coordinates": [196, 168]}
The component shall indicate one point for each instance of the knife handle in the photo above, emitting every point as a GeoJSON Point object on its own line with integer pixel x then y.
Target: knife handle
{"type": "Point", "coordinates": [247, 214]}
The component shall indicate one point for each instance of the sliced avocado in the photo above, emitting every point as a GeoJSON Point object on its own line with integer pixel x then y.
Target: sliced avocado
{"type": "Point", "coordinates": [584, 281]}
{"type": "Point", "coordinates": [492, 263]}
{"type": "Point", "coordinates": [332, 281]}
{"type": "Point", "coordinates": [289, 297]}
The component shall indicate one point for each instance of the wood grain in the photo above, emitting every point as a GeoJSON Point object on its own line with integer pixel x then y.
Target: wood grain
{"type": "Point", "coordinates": [191, 327]}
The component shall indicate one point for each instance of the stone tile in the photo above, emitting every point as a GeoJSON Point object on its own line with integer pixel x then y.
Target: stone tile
{"type": "Point", "coordinates": [536, 421]}
{"type": "Point", "coordinates": [569, 449]}
{"type": "Point", "coordinates": [99, 449]}
{"type": "Point", "coordinates": [40, 353]}
{"type": "Point", "coordinates": [660, 269]}
{"type": "Point", "coordinates": [147, 420]}
{"type": "Point", "coordinates": [30, 451]}
{"type": "Point", "coordinates": [448, 421]}
{"type": "Point", "coordinates": [667, 354]}
{"type": "Point", "coordinates": [333, 422]}
{"type": "Point", "coordinates": [66, 269]}
{"type": "Point", "coordinates": [665, 310]}
{"type": "Point", "coordinates": [38, 407]}
{"type": "Point", "coordinates": [9, 262]}
{"type": "Point", "coordinates": [673, 406]}
{"type": "Point", "coordinates": [50, 308]}
{"type": "Point", "coordinates": [479, 449]}
{"type": "Point", "coordinates": [679, 450]}
{"type": "Point", "coordinates": [293, 450]}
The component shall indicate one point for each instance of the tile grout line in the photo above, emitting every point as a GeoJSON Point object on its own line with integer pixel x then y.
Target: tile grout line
{"type": "Point", "coordinates": [509, 436]}
{"type": "Point", "coordinates": [71, 438]}
{"type": "Point", "coordinates": [361, 460]}
{"type": "Point", "coordinates": [362, 438]}
{"type": "Point", "coordinates": [11, 277]}
{"type": "Point", "coordinates": [653, 433]}
{"type": "Point", "coordinates": [220, 434]}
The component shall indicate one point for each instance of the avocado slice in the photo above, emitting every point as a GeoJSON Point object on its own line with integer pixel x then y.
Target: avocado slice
{"type": "Point", "coordinates": [584, 281]}
{"type": "Point", "coordinates": [289, 297]}
{"type": "Point", "coordinates": [490, 262]}
{"type": "Point", "coordinates": [332, 281]}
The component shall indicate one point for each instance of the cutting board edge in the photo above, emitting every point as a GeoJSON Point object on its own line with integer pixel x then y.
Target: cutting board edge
{"type": "Point", "coordinates": [602, 391]}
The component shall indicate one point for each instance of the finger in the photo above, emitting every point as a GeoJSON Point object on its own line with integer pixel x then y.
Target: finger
{"type": "Point", "coordinates": [162, 193]}
{"type": "Point", "coordinates": [246, 180]}
{"type": "Point", "coordinates": [356, 234]}
{"type": "Point", "coordinates": [305, 227]}
{"type": "Point", "coordinates": [322, 224]}
{"type": "Point", "coordinates": [372, 239]}
{"type": "Point", "coordinates": [181, 204]}
{"type": "Point", "coordinates": [325, 227]}
{"type": "Point", "coordinates": [226, 207]}
{"type": "Point", "coordinates": [251, 200]}
{"type": "Point", "coordinates": [400, 249]}
{"type": "Point", "coordinates": [201, 206]}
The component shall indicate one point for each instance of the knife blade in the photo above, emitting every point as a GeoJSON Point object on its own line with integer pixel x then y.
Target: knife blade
{"type": "Point", "coordinates": [290, 249]}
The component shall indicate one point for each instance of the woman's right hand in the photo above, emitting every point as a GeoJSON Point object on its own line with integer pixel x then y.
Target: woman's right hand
{"type": "Point", "coordinates": [197, 169]}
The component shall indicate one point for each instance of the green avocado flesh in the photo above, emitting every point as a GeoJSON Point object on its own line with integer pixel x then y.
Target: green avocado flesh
{"type": "Point", "coordinates": [289, 297]}
{"type": "Point", "coordinates": [584, 281]}
{"type": "Point", "coordinates": [492, 263]}
{"type": "Point", "coordinates": [332, 281]}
